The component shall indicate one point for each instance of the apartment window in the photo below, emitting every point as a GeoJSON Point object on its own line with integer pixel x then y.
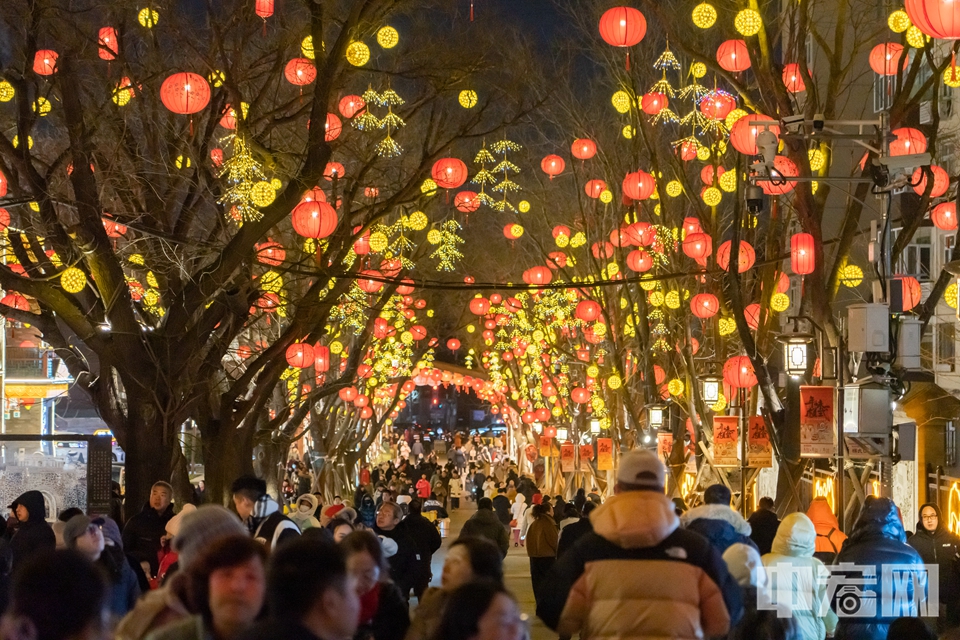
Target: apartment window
{"type": "Point", "coordinates": [948, 244]}
{"type": "Point", "coordinates": [946, 346]}
{"type": "Point", "coordinates": [926, 351]}
{"type": "Point", "coordinates": [883, 87]}
{"type": "Point", "coordinates": [949, 444]}
{"type": "Point", "coordinates": [915, 261]}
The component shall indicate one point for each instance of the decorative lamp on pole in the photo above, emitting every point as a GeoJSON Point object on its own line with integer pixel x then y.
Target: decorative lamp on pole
{"type": "Point", "coordinates": [561, 433]}
{"type": "Point", "coordinates": [711, 386]}
{"type": "Point", "coordinates": [655, 415]}
{"type": "Point", "coordinates": [595, 425]}
{"type": "Point", "coordinates": [795, 343]}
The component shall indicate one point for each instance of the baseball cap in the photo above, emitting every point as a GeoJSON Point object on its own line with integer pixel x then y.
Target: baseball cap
{"type": "Point", "coordinates": [74, 528]}
{"type": "Point", "coordinates": [641, 469]}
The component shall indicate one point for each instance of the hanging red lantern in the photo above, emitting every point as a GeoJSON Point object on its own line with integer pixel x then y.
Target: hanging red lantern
{"type": "Point", "coordinates": [912, 292]}
{"type": "Point", "coordinates": [185, 93]}
{"type": "Point", "coordinates": [580, 395]}
{"type": "Point", "coordinates": [802, 254]}
{"type": "Point", "coordinates": [537, 276]}
{"type": "Point", "coordinates": [708, 173]}
{"type": "Point", "coordinates": [885, 58]}
{"type": "Point", "coordinates": [588, 310]}
{"type": "Point", "coordinates": [367, 283]}
{"type": "Point", "coordinates": [653, 103]}
{"type": "Point", "coordinates": [692, 225]}
{"type": "Point", "coordinates": [783, 168]}
{"type": "Point", "coordinates": [746, 258]}
{"type": "Point", "coordinates": [793, 78]}
{"type": "Point", "coordinates": [300, 71]}
{"type": "Point", "coordinates": [717, 104]}
{"type": "Point", "coordinates": [783, 283]}
{"type": "Point", "coordinates": [271, 253]}
{"type": "Point", "coordinates": [333, 170]}
{"type": "Point", "coordinates": [321, 358]}
{"type": "Point", "coordinates": [938, 19]}
{"type": "Point", "coordinates": [704, 305]}
{"type": "Point", "coordinates": [639, 261]}
{"type": "Point", "coordinates": [561, 230]}
{"type": "Point", "coordinates": [453, 344]}
{"type": "Point", "coordinates": [314, 195]}
{"type": "Point", "coordinates": [350, 106]}
{"type": "Point", "coordinates": [108, 44]}
{"type": "Point", "coordinates": [552, 165]}
{"type": "Point", "coordinates": [268, 302]}
{"type": "Point", "coordinates": [348, 394]}
{"type": "Point", "coordinates": [418, 332]}
{"type": "Point", "coordinates": [313, 219]}
{"type": "Point", "coordinates": [45, 62]}
{"type": "Point", "coordinates": [908, 141]}
{"type": "Point", "coordinates": [332, 127]}
{"type": "Point", "coordinates": [556, 260]}
{"type": "Point", "coordinates": [594, 188]}
{"type": "Point", "coordinates": [639, 185]}
{"type": "Point", "coordinates": [752, 315]}
{"type": "Point", "coordinates": [941, 181]}
{"type": "Point", "coordinates": [697, 246]}
{"type": "Point", "coordinates": [496, 298]}
{"type": "Point", "coordinates": [944, 216]}
{"type": "Point", "coordinates": [361, 246]}
{"type": "Point", "coordinates": [738, 372]}
{"type": "Point", "coordinates": [510, 231]}
{"type": "Point", "coordinates": [479, 306]}
{"type": "Point", "coordinates": [264, 8]}
{"type": "Point", "coordinates": [300, 355]}
{"type": "Point", "coordinates": [229, 119]}
{"type": "Point", "coordinates": [449, 173]}
{"type": "Point", "coordinates": [743, 134]}
{"type": "Point", "coordinates": [466, 202]}
{"type": "Point", "coordinates": [113, 229]}
{"type": "Point", "coordinates": [601, 250]}
{"type": "Point", "coordinates": [623, 27]}
{"type": "Point", "coordinates": [405, 287]}
{"type": "Point", "coordinates": [583, 149]}
{"type": "Point", "coordinates": [688, 150]}
{"type": "Point", "coordinates": [216, 156]}
{"type": "Point", "coordinates": [15, 301]}
{"type": "Point", "coordinates": [542, 414]}
{"type": "Point", "coordinates": [733, 56]}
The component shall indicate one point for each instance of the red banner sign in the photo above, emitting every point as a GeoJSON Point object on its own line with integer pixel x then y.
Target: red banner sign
{"type": "Point", "coordinates": [726, 434]}
{"type": "Point", "coordinates": [567, 458]}
{"type": "Point", "coordinates": [586, 452]}
{"type": "Point", "coordinates": [817, 422]}
{"type": "Point", "coordinates": [604, 454]}
{"type": "Point", "coordinates": [759, 448]}
{"type": "Point", "coordinates": [664, 445]}
{"type": "Point", "coordinates": [545, 442]}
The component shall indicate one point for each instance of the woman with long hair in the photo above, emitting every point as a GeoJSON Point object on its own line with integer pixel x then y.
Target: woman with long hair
{"type": "Point", "coordinates": [542, 540]}
{"type": "Point", "coordinates": [481, 610]}
{"type": "Point", "coordinates": [383, 609]}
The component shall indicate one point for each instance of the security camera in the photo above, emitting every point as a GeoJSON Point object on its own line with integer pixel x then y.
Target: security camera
{"type": "Point", "coordinates": [754, 199]}
{"type": "Point", "coordinates": [793, 124]}
{"type": "Point", "coordinates": [818, 122]}
{"type": "Point", "coordinates": [910, 161]}
{"type": "Point", "coordinates": [767, 145]}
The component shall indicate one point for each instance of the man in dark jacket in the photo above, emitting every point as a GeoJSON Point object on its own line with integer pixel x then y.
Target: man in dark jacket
{"type": "Point", "coordinates": [33, 534]}
{"type": "Point", "coordinates": [716, 521]}
{"type": "Point", "coordinates": [403, 564]}
{"type": "Point", "coordinates": [478, 480]}
{"type": "Point", "coordinates": [576, 530]}
{"type": "Point", "coordinates": [485, 524]}
{"type": "Point", "coordinates": [936, 545]}
{"type": "Point", "coordinates": [764, 522]}
{"type": "Point", "coordinates": [261, 513]}
{"type": "Point", "coordinates": [426, 537]}
{"type": "Point", "coordinates": [141, 536]}
{"type": "Point", "coordinates": [501, 506]}
{"type": "Point", "coordinates": [877, 542]}
{"type": "Point", "coordinates": [87, 537]}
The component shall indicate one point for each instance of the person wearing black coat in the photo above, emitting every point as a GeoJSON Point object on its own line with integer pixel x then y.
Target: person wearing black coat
{"type": "Point", "coordinates": [33, 533]}
{"type": "Point", "coordinates": [936, 545]}
{"type": "Point", "coordinates": [403, 564]}
{"type": "Point", "coordinates": [501, 506]}
{"type": "Point", "coordinates": [141, 535]}
{"type": "Point", "coordinates": [764, 524]}
{"type": "Point", "coordinates": [485, 524]}
{"type": "Point", "coordinates": [426, 537]}
{"type": "Point", "coordinates": [576, 530]}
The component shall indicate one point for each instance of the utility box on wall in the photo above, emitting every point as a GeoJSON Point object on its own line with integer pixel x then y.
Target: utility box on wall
{"type": "Point", "coordinates": [867, 409]}
{"type": "Point", "coordinates": [868, 328]}
{"type": "Point", "coordinates": [908, 343]}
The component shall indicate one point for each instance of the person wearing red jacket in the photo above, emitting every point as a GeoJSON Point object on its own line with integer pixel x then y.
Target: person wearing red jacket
{"type": "Point", "coordinates": [423, 488]}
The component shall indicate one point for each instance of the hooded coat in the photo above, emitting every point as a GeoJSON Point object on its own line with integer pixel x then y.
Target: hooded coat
{"type": "Point", "coordinates": [305, 519]}
{"type": "Point", "coordinates": [878, 539]}
{"type": "Point", "coordinates": [613, 583]}
{"type": "Point", "coordinates": [829, 537]}
{"type": "Point", "coordinates": [485, 524]}
{"type": "Point", "coordinates": [942, 548]}
{"type": "Point", "coordinates": [797, 580]}
{"type": "Point", "coordinates": [34, 534]}
{"type": "Point", "coordinates": [517, 509]}
{"type": "Point", "coordinates": [719, 524]}
{"type": "Point", "coordinates": [764, 524]}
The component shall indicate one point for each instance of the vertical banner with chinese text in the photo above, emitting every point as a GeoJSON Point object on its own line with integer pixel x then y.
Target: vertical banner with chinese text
{"type": "Point", "coordinates": [725, 440]}
{"type": "Point", "coordinates": [759, 448]}
{"type": "Point", "coordinates": [817, 429]}
{"type": "Point", "coordinates": [567, 455]}
{"type": "Point", "coordinates": [604, 454]}
{"type": "Point", "coordinates": [545, 446]}
{"type": "Point", "coordinates": [664, 445]}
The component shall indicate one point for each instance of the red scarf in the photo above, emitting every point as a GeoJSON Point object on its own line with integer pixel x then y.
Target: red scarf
{"type": "Point", "coordinates": [369, 603]}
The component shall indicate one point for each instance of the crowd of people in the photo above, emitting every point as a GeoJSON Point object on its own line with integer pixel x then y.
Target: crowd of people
{"type": "Point", "coordinates": [295, 568]}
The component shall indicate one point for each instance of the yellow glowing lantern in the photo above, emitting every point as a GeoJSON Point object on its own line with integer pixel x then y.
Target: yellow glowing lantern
{"type": "Point", "coordinates": [628, 132]}
{"type": "Point", "coordinates": [656, 298]}
{"type": "Point", "coordinates": [950, 295]}
{"type": "Point", "coordinates": [434, 237]}
{"type": "Point", "coordinates": [387, 37]}
{"type": "Point", "coordinates": [712, 196]}
{"type": "Point", "coordinates": [358, 54]}
{"type": "Point", "coordinates": [151, 297]}
{"type": "Point", "coordinates": [727, 326]}
{"type": "Point", "coordinates": [271, 281]}
{"type": "Point", "coordinates": [35, 206]}
{"type": "Point", "coordinates": [672, 299]}
{"type": "Point", "coordinates": [748, 22]}
{"type": "Point", "coordinates": [217, 78]}
{"type": "Point", "coordinates": [674, 188]}
{"type": "Point", "coordinates": [406, 338]}
{"type": "Point", "coordinates": [6, 91]}
{"type": "Point", "coordinates": [814, 186]}
{"type": "Point", "coordinates": [152, 280]}
{"type": "Point", "coordinates": [379, 242]}
{"type": "Point", "coordinates": [647, 283]}
{"type": "Point", "coordinates": [728, 181]}
{"type": "Point", "coordinates": [851, 276]}
{"type": "Point", "coordinates": [578, 240]}
{"type": "Point", "coordinates": [614, 382]}
{"type": "Point", "coordinates": [148, 18]}
{"type": "Point", "coordinates": [183, 162]}
{"type": "Point", "coordinates": [262, 194]}
{"type": "Point", "coordinates": [698, 69]}
{"type": "Point", "coordinates": [732, 117]}
{"type": "Point", "coordinates": [16, 142]}
{"type": "Point", "coordinates": [336, 348]}
{"type": "Point", "coordinates": [516, 230]}
{"type": "Point", "coordinates": [606, 196]}
{"type": "Point", "coordinates": [703, 153]}
{"type": "Point", "coordinates": [704, 15]}
{"type": "Point", "coordinates": [306, 48]}
{"type": "Point", "coordinates": [429, 187]}
{"type": "Point", "coordinates": [780, 302]}
{"type": "Point", "coordinates": [73, 280]}
{"type": "Point", "coordinates": [417, 221]}
{"type": "Point", "coordinates": [720, 404]}
{"type": "Point", "coordinates": [621, 101]}
{"type": "Point", "coordinates": [899, 21]}
{"type": "Point", "coordinates": [916, 38]}
{"type": "Point", "coordinates": [276, 184]}
{"type": "Point", "coordinates": [42, 106]}
{"type": "Point", "coordinates": [562, 240]}
{"type": "Point", "coordinates": [816, 159]}
{"type": "Point", "coordinates": [468, 98]}
{"type": "Point", "coordinates": [675, 387]}
{"type": "Point", "coordinates": [523, 206]}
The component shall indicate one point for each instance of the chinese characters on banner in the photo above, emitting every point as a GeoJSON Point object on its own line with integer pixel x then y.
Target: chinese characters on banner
{"type": "Point", "coordinates": [586, 455]}
{"type": "Point", "coordinates": [759, 449]}
{"type": "Point", "coordinates": [725, 436]}
{"type": "Point", "coordinates": [604, 454]}
{"type": "Point", "coordinates": [664, 445]}
{"type": "Point", "coordinates": [567, 453]}
{"type": "Point", "coordinates": [545, 442]}
{"type": "Point", "coordinates": [817, 429]}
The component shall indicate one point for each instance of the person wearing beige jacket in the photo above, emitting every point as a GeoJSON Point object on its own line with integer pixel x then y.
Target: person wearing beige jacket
{"type": "Point", "coordinates": [542, 540]}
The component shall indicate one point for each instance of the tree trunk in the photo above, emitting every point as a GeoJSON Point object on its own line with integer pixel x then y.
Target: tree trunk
{"type": "Point", "coordinates": [226, 457]}
{"type": "Point", "coordinates": [149, 448]}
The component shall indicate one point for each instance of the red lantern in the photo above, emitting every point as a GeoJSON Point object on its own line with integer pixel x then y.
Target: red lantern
{"type": "Point", "coordinates": [466, 202]}
{"type": "Point", "coordinates": [552, 165]}
{"type": "Point", "coordinates": [314, 219]}
{"type": "Point", "coordinates": [4, 219]}
{"type": "Point", "coordinates": [368, 284]}
{"type": "Point", "coordinates": [348, 394]}
{"type": "Point", "coordinates": [708, 173]}
{"type": "Point", "coordinates": [561, 230]}
{"type": "Point", "coordinates": [793, 78]}
{"type": "Point", "coordinates": [944, 216]}
{"type": "Point", "coordinates": [622, 26]}
{"type": "Point", "coordinates": [229, 119]}
{"type": "Point", "coordinates": [509, 231]}
{"type": "Point", "coordinates": [538, 276]}
{"type": "Point", "coordinates": [783, 283]}
{"type": "Point", "coordinates": [321, 358]}
{"type": "Point", "coordinates": [738, 372]}
{"type": "Point", "coordinates": [264, 8]}
{"type": "Point", "coordinates": [717, 104]}
{"type": "Point", "coordinates": [216, 156]}
{"type": "Point", "coordinates": [908, 141]}
{"type": "Point", "coordinates": [332, 128]}
{"type": "Point", "coordinates": [418, 332]}
{"type": "Point", "coordinates": [941, 181]}
{"type": "Point", "coordinates": [588, 310]}
{"type": "Point", "coordinates": [580, 395]}
{"type": "Point", "coordinates": [333, 170]}
{"type": "Point", "coordinates": [271, 253]}
{"type": "Point", "coordinates": [300, 72]}
{"type": "Point", "coordinates": [697, 246]}
{"type": "Point", "coordinates": [594, 188]}
{"type": "Point", "coordinates": [783, 168]}
{"type": "Point", "coordinates": [405, 287]}
{"type": "Point", "coordinates": [639, 261]}
{"type": "Point", "coordinates": [542, 414]}
{"type": "Point", "coordinates": [885, 58]}
{"type": "Point", "coordinates": [733, 56]}
{"type": "Point", "coordinates": [639, 185]}
{"type": "Point", "coordinates": [449, 173]}
{"type": "Point", "coordinates": [300, 355]}
{"type": "Point", "coordinates": [15, 301]}
{"type": "Point", "coordinates": [911, 291]}
{"type": "Point", "coordinates": [752, 315]}
{"type": "Point", "coordinates": [108, 43]}
{"type": "Point", "coordinates": [746, 258]}
{"type": "Point", "coordinates": [479, 306]}
{"type": "Point", "coordinates": [743, 134]}
{"type": "Point", "coordinates": [185, 93]}
{"type": "Point", "coordinates": [704, 305]}
{"type": "Point", "coordinates": [453, 344]}
{"type": "Point", "coordinates": [653, 103]}
{"type": "Point", "coordinates": [601, 250]}
{"type": "Point", "coordinates": [315, 194]}
{"type": "Point", "coordinates": [937, 18]}
{"type": "Point", "coordinates": [361, 246]}
{"type": "Point", "coordinates": [45, 62]}
{"type": "Point", "coordinates": [556, 260]}
{"type": "Point", "coordinates": [350, 106]}
{"type": "Point", "coordinates": [113, 229]}
{"type": "Point", "coordinates": [692, 225]}
{"type": "Point", "coordinates": [688, 150]}
{"type": "Point", "coordinates": [583, 149]}
{"type": "Point", "coordinates": [802, 254]}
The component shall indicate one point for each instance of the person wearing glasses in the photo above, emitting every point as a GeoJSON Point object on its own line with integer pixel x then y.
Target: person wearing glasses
{"type": "Point", "coordinates": [936, 545]}
{"type": "Point", "coordinates": [86, 536]}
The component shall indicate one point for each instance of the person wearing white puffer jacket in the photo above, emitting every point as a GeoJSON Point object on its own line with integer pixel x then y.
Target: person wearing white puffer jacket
{"type": "Point", "coordinates": [302, 514]}
{"type": "Point", "coordinates": [798, 579]}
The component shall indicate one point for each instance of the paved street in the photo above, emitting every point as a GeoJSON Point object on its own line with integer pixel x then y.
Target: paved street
{"type": "Point", "coordinates": [516, 572]}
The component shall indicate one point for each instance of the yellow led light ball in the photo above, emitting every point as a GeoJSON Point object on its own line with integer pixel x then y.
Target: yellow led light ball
{"type": "Point", "coordinates": [336, 348]}
{"type": "Point", "coordinates": [148, 17]}
{"type": "Point", "coordinates": [183, 162]}
{"type": "Point", "coordinates": [628, 132]}
{"type": "Point", "coordinates": [556, 412]}
{"type": "Point", "coordinates": [523, 206]}
{"type": "Point", "coordinates": [721, 147]}
{"type": "Point", "coordinates": [675, 387]}
{"type": "Point", "coordinates": [216, 78]}
{"type": "Point", "coordinates": [951, 76]}
{"type": "Point", "coordinates": [516, 230]}
{"type": "Point", "coordinates": [73, 280]}
{"type": "Point", "coordinates": [152, 279]}
{"type": "Point", "coordinates": [647, 283]}
{"type": "Point", "coordinates": [816, 159]}
{"type": "Point", "coordinates": [732, 117]}
{"type": "Point", "coordinates": [262, 194]}
{"type": "Point", "coordinates": [471, 328]}
{"type": "Point", "coordinates": [6, 91]}
{"type": "Point", "coordinates": [612, 269]}
{"type": "Point", "coordinates": [674, 188]}
{"type": "Point", "coordinates": [621, 101]}
{"type": "Point", "coordinates": [814, 186]}
{"type": "Point", "coordinates": [673, 299]}
{"type": "Point", "coordinates": [429, 187]}
{"type": "Point", "coordinates": [538, 335]}
{"type": "Point", "coordinates": [406, 338]}
{"type": "Point", "coordinates": [434, 237]}
{"type": "Point", "coordinates": [614, 381]}
{"type": "Point", "coordinates": [417, 221]}
{"type": "Point", "coordinates": [599, 329]}
{"type": "Point", "coordinates": [720, 404]}
{"type": "Point", "coordinates": [780, 302]}
{"type": "Point", "coordinates": [468, 98]}
{"type": "Point", "coordinates": [748, 22]}
{"type": "Point", "coordinates": [712, 196]}
{"type": "Point", "coordinates": [16, 142]}
{"type": "Point", "coordinates": [35, 206]}
{"type": "Point", "coordinates": [562, 240]}
{"type": "Point", "coordinates": [306, 48]}
{"type": "Point", "coordinates": [578, 239]}
{"type": "Point", "coordinates": [950, 295]}
{"type": "Point", "coordinates": [727, 326]}
{"type": "Point", "coordinates": [703, 153]}
{"type": "Point", "coordinates": [276, 184]}
{"type": "Point", "coordinates": [379, 242]}
{"type": "Point", "coordinates": [121, 95]}
{"type": "Point", "coordinates": [42, 106]}
{"type": "Point", "coordinates": [704, 15]}
{"type": "Point", "coordinates": [358, 54]}
{"type": "Point", "coordinates": [606, 196]}
{"type": "Point", "coordinates": [597, 403]}
{"type": "Point", "coordinates": [728, 181]}
{"type": "Point", "coordinates": [151, 297]}
{"type": "Point", "coordinates": [656, 298]}
{"type": "Point", "coordinates": [851, 276]}
{"type": "Point", "coordinates": [698, 69]}
{"type": "Point", "coordinates": [272, 282]}
{"type": "Point", "coordinates": [916, 38]}
{"type": "Point", "coordinates": [387, 37]}
{"type": "Point", "coordinates": [899, 21]}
